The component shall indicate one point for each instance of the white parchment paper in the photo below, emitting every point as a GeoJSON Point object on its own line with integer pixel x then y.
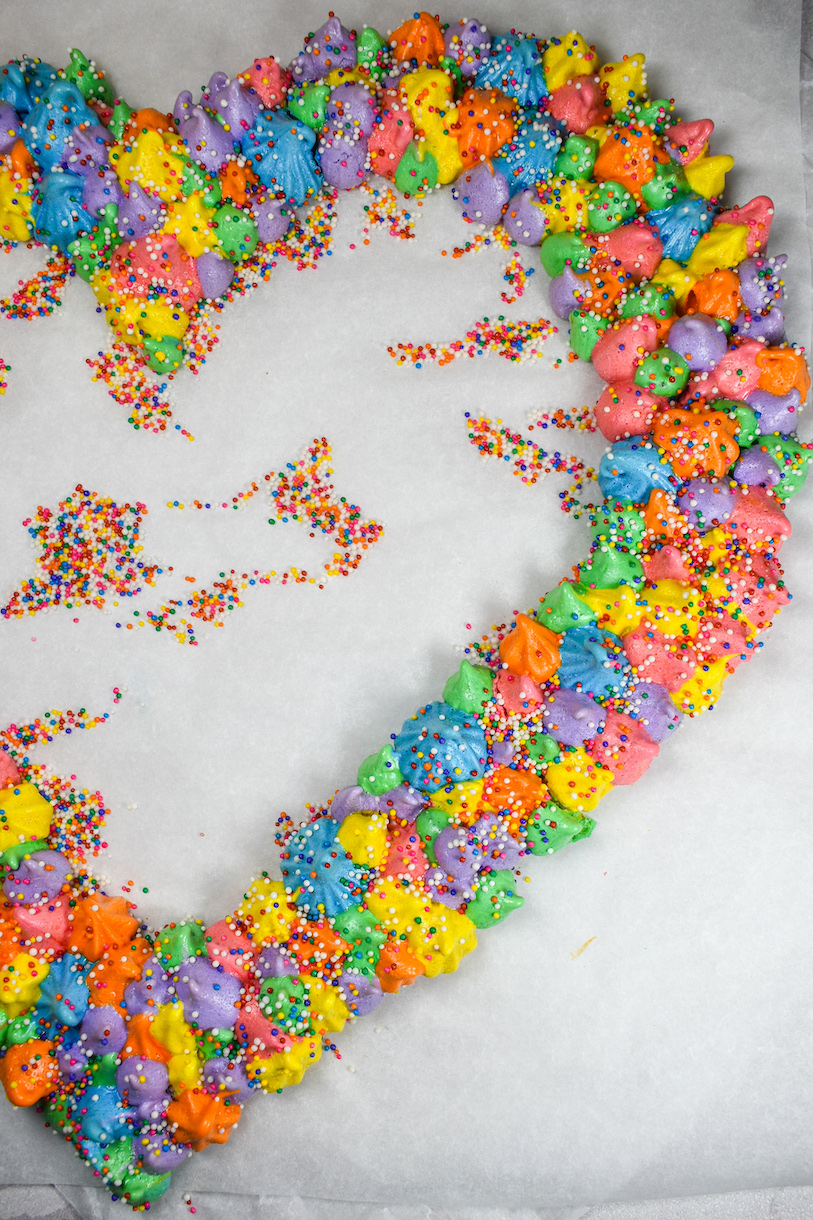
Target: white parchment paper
{"type": "Point", "coordinates": [672, 1056]}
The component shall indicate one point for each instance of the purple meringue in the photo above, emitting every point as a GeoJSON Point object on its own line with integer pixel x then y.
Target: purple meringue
{"type": "Point", "coordinates": [770, 326]}
{"type": "Point", "coordinates": [652, 706]}
{"type": "Point", "coordinates": [707, 502]}
{"type": "Point", "coordinates": [403, 801]}
{"type": "Point", "coordinates": [144, 1084]}
{"type": "Point", "coordinates": [700, 340]}
{"type": "Point", "coordinates": [361, 992]}
{"type": "Point", "coordinates": [331, 47]}
{"type": "Point", "coordinates": [272, 963]}
{"type": "Point", "coordinates": [223, 1076]}
{"type": "Point", "coordinates": [38, 878]}
{"type": "Point", "coordinates": [565, 293]}
{"type": "Point", "coordinates": [86, 150]}
{"type": "Point", "coordinates": [72, 1059]}
{"type": "Point", "coordinates": [343, 161]}
{"type": "Point", "coordinates": [458, 857]}
{"type": "Point", "coordinates": [209, 144]}
{"type": "Point", "coordinates": [9, 128]}
{"type": "Point", "coordinates": [235, 105]}
{"type": "Point", "coordinates": [215, 274]}
{"type": "Point", "coordinates": [273, 218]}
{"type": "Point", "coordinates": [209, 996]}
{"type": "Point", "coordinates": [572, 717]}
{"type": "Point", "coordinates": [452, 890]}
{"type": "Point", "coordinates": [498, 848]}
{"type": "Point", "coordinates": [482, 193]}
{"type": "Point", "coordinates": [161, 1154]}
{"type": "Point", "coordinates": [139, 214]}
{"type": "Point", "coordinates": [351, 108]}
{"type": "Point", "coordinates": [756, 468]}
{"type": "Point", "coordinates": [776, 413]}
{"type": "Point", "coordinates": [524, 220]}
{"type": "Point", "coordinates": [150, 991]}
{"type": "Point", "coordinates": [760, 283]}
{"type": "Point", "coordinates": [455, 850]}
{"type": "Point", "coordinates": [353, 800]}
{"type": "Point", "coordinates": [103, 1031]}
{"type": "Point", "coordinates": [468, 44]}
{"type": "Point", "coordinates": [502, 752]}
{"type": "Point", "coordinates": [184, 105]}
{"type": "Point", "coordinates": [101, 188]}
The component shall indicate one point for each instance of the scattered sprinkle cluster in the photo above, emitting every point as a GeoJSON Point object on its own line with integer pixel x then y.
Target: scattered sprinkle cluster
{"type": "Point", "coordinates": [529, 460]}
{"type": "Point", "coordinates": [131, 385]}
{"type": "Point", "coordinates": [301, 493]}
{"type": "Point", "coordinates": [90, 550]}
{"type": "Point", "coordinates": [383, 212]}
{"type": "Point", "coordinates": [42, 294]}
{"type": "Point", "coordinates": [91, 547]}
{"type": "Point", "coordinates": [482, 241]}
{"type": "Point", "coordinates": [517, 276]}
{"type": "Point", "coordinates": [79, 814]}
{"type": "Point", "coordinates": [579, 419]}
{"type": "Point", "coordinates": [514, 341]}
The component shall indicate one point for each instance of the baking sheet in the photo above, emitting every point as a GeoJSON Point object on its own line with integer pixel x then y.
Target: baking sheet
{"type": "Point", "coordinates": [671, 1057]}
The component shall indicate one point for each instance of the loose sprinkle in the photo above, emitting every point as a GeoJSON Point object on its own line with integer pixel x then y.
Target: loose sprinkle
{"type": "Point", "coordinates": [90, 548]}
{"type": "Point", "coordinates": [301, 493]}
{"type": "Point", "coordinates": [79, 814]}
{"type": "Point", "coordinates": [42, 294]}
{"type": "Point", "coordinates": [517, 276]}
{"type": "Point", "coordinates": [383, 213]}
{"type": "Point", "coordinates": [514, 341]}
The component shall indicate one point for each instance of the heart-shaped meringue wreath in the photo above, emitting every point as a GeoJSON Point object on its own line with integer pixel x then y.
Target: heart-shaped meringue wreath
{"type": "Point", "coordinates": [142, 1048]}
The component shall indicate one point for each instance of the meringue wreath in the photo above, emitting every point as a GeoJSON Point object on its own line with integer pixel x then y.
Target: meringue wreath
{"type": "Point", "coordinates": [142, 1048]}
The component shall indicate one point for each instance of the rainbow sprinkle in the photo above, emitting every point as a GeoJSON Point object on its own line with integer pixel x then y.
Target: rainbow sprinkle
{"type": "Point", "coordinates": [517, 276]}
{"type": "Point", "coordinates": [514, 341]}
{"type": "Point", "coordinates": [383, 213]}
{"type": "Point", "coordinates": [481, 241]}
{"type": "Point", "coordinates": [42, 294]}
{"type": "Point", "coordinates": [131, 385]}
{"type": "Point", "coordinates": [303, 493]}
{"type": "Point", "coordinates": [90, 549]}
{"type": "Point", "coordinates": [530, 461]}
{"type": "Point", "coordinates": [79, 813]}
{"type": "Point", "coordinates": [578, 419]}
